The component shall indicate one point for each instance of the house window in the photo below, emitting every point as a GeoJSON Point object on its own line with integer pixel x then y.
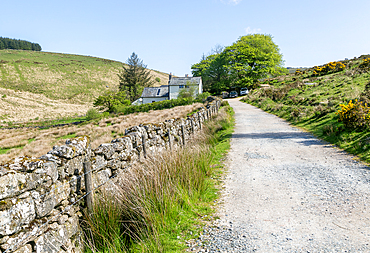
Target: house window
{"type": "Point", "coordinates": [159, 90]}
{"type": "Point", "coordinates": [182, 86]}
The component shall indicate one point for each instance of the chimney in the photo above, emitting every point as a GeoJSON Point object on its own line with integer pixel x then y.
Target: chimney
{"type": "Point", "coordinates": [169, 78]}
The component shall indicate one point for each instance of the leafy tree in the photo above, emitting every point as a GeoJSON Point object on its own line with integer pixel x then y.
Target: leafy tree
{"type": "Point", "coordinates": [253, 57]}
{"type": "Point", "coordinates": [134, 77]}
{"type": "Point", "coordinates": [212, 69]}
{"type": "Point", "coordinates": [242, 64]}
{"type": "Point", "coordinates": [111, 100]}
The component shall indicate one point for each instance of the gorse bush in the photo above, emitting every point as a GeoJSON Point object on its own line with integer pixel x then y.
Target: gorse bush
{"type": "Point", "coordinates": [298, 72]}
{"type": "Point", "coordinates": [330, 67]}
{"type": "Point", "coordinates": [365, 64]}
{"type": "Point", "coordinates": [354, 115]}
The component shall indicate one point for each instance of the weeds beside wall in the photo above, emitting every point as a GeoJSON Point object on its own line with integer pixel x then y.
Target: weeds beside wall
{"type": "Point", "coordinates": [42, 199]}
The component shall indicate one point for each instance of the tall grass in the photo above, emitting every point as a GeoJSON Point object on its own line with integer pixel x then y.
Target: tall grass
{"type": "Point", "coordinates": [155, 204]}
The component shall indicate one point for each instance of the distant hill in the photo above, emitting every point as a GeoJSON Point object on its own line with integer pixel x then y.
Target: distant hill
{"type": "Point", "coordinates": [40, 85]}
{"type": "Point", "coordinates": [73, 78]}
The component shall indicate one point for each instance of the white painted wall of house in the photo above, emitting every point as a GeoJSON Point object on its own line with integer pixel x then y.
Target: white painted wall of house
{"type": "Point", "coordinates": [150, 100]}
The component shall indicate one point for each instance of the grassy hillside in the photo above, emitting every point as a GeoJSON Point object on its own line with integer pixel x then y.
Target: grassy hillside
{"type": "Point", "coordinates": [74, 78]}
{"type": "Point", "coordinates": [311, 99]}
{"type": "Point", "coordinates": [42, 85]}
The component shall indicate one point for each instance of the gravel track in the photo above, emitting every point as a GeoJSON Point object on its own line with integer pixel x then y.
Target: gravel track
{"type": "Point", "coordinates": [287, 191]}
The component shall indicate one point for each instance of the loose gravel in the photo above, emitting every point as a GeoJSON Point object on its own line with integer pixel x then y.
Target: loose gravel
{"type": "Point", "coordinates": [287, 191]}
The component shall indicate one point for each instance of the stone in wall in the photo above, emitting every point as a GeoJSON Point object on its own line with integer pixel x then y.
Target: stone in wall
{"type": "Point", "coordinates": [15, 213]}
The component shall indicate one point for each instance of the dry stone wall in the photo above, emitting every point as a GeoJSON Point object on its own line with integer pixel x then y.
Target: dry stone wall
{"type": "Point", "coordinates": [41, 199]}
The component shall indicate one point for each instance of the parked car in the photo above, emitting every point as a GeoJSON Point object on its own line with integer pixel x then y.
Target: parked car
{"type": "Point", "coordinates": [233, 94]}
{"type": "Point", "coordinates": [244, 91]}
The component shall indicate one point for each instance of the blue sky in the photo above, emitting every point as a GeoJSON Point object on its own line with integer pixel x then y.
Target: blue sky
{"type": "Point", "coordinates": [170, 36]}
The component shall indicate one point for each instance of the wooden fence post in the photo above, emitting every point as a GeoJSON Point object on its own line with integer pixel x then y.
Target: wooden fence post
{"type": "Point", "coordinates": [143, 140]}
{"type": "Point", "coordinates": [169, 139]}
{"type": "Point", "coordinates": [183, 135]}
{"type": "Point", "coordinates": [200, 121]}
{"type": "Point", "coordinates": [192, 126]}
{"type": "Point", "coordinates": [88, 186]}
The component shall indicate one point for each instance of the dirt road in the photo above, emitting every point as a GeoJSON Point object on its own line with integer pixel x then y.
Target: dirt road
{"type": "Point", "coordinates": [287, 191]}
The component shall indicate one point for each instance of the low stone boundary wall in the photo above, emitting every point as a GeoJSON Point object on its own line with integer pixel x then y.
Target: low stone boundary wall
{"type": "Point", "coordinates": [41, 198]}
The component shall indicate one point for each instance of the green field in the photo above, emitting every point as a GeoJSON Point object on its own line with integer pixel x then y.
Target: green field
{"type": "Point", "coordinates": [74, 78]}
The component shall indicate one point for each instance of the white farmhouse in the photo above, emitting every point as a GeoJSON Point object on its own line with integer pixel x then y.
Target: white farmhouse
{"type": "Point", "coordinates": [170, 91]}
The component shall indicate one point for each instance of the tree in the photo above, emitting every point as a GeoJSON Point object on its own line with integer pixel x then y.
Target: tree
{"type": "Point", "coordinates": [253, 57]}
{"type": "Point", "coordinates": [134, 77]}
{"type": "Point", "coordinates": [111, 100]}
{"type": "Point", "coordinates": [242, 64]}
{"type": "Point", "coordinates": [214, 73]}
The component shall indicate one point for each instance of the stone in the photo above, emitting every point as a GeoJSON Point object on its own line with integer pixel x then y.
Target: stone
{"type": "Point", "coordinates": [81, 144]}
{"type": "Point", "coordinates": [12, 184]}
{"type": "Point", "coordinates": [126, 141]}
{"type": "Point", "coordinates": [101, 177]}
{"type": "Point", "coordinates": [105, 149]}
{"type": "Point", "coordinates": [45, 203]}
{"type": "Point", "coordinates": [53, 241]}
{"type": "Point", "coordinates": [64, 151]}
{"type": "Point", "coordinates": [51, 158]}
{"type": "Point", "coordinates": [72, 226]}
{"type": "Point", "coordinates": [62, 219]}
{"type": "Point", "coordinates": [25, 249]}
{"type": "Point", "coordinates": [74, 166]}
{"type": "Point", "coordinates": [49, 169]}
{"type": "Point", "coordinates": [98, 163]}
{"type": "Point", "coordinates": [19, 213]}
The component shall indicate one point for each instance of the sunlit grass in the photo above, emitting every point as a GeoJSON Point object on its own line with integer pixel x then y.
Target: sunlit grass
{"type": "Point", "coordinates": [159, 204]}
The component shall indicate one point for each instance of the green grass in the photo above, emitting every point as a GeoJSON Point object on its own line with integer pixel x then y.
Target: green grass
{"type": "Point", "coordinates": [163, 203]}
{"type": "Point", "coordinates": [314, 107]}
{"type": "Point", "coordinates": [6, 149]}
{"type": "Point", "coordinates": [68, 136]}
{"type": "Point", "coordinates": [75, 78]}
{"type": "Point", "coordinates": [48, 123]}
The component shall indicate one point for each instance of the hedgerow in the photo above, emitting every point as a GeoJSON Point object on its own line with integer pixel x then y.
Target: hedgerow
{"type": "Point", "coordinates": [122, 109]}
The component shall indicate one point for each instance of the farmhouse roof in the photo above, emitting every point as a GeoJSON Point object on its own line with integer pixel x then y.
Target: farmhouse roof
{"type": "Point", "coordinates": [184, 80]}
{"type": "Point", "coordinates": [155, 92]}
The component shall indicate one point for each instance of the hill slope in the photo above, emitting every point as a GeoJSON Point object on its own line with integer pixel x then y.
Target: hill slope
{"type": "Point", "coordinates": [64, 84]}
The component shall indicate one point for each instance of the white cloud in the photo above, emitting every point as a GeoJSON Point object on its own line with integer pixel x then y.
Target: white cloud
{"type": "Point", "coordinates": [233, 2]}
{"type": "Point", "coordinates": [249, 30]}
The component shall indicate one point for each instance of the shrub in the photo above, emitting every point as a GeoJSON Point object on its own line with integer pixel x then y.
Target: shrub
{"type": "Point", "coordinates": [203, 96]}
{"type": "Point", "coordinates": [328, 68]}
{"type": "Point", "coordinates": [298, 72]}
{"type": "Point", "coordinates": [365, 64]}
{"type": "Point", "coordinates": [122, 109]}
{"type": "Point", "coordinates": [354, 115]}
{"type": "Point", "coordinates": [158, 79]}
{"type": "Point", "coordinates": [93, 114]}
